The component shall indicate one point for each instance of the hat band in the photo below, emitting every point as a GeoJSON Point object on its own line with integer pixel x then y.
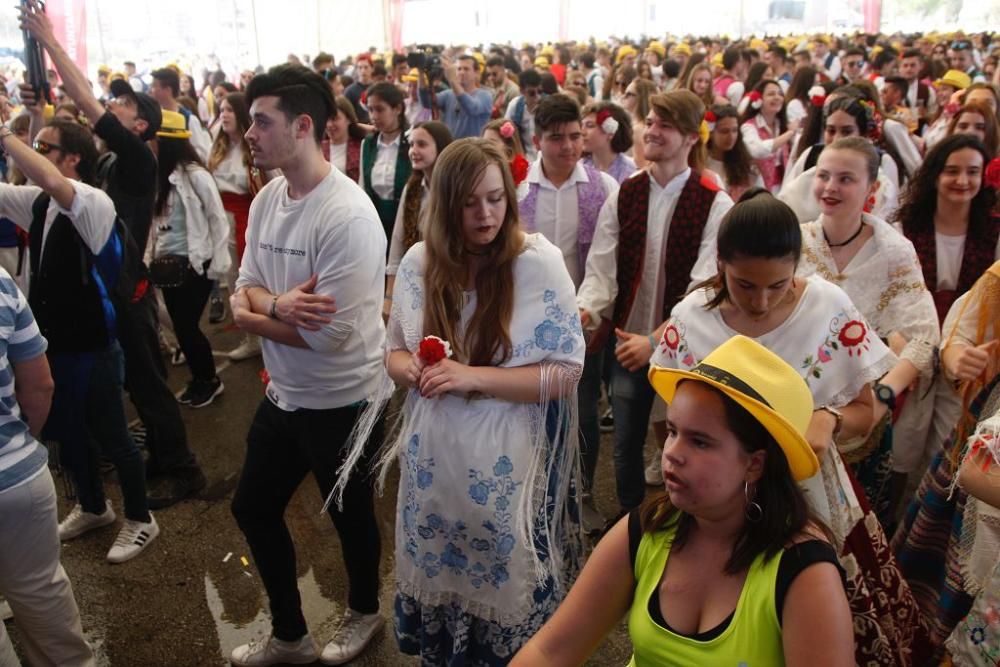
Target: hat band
{"type": "Point", "coordinates": [728, 379]}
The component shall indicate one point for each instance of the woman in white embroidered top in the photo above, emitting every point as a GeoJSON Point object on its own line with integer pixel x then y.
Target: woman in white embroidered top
{"type": "Point", "coordinates": [191, 250]}
{"type": "Point", "coordinates": [878, 268]}
{"type": "Point", "coordinates": [427, 140]}
{"type": "Point", "coordinates": [767, 133]}
{"type": "Point", "coordinates": [485, 543]}
{"type": "Point", "coordinates": [813, 326]}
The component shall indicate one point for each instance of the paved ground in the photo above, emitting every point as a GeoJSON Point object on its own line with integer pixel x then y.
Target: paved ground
{"type": "Point", "coordinates": [180, 604]}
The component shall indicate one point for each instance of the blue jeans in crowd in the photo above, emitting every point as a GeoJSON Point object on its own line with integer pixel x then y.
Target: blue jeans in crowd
{"type": "Point", "coordinates": [631, 402]}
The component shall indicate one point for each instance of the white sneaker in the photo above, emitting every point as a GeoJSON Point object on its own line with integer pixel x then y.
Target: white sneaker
{"type": "Point", "coordinates": [351, 637]}
{"type": "Point", "coordinates": [132, 539]}
{"type": "Point", "coordinates": [78, 522]}
{"type": "Point", "coordinates": [654, 474]}
{"type": "Point", "coordinates": [272, 651]}
{"type": "Point", "coordinates": [248, 349]}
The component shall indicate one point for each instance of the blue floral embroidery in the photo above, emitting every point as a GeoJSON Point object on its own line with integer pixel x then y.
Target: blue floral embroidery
{"type": "Point", "coordinates": [558, 331]}
{"type": "Point", "coordinates": [413, 287]}
{"type": "Point", "coordinates": [483, 557]}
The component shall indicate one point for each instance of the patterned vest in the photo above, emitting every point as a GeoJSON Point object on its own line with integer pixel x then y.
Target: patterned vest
{"type": "Point", "coordinates": [353, 166]}
{"type": "Point", "coordinates": [772, 167]}
{"type": "Point", "coordinates": [980, 246]}
{"type": "Point", "coordinates": [590, 196]}
{"type": "Point", "coordinates": [683, 239]}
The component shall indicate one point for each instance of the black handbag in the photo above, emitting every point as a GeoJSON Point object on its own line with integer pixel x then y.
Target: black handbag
{"type": "Point", "coordinates": [169, 270]}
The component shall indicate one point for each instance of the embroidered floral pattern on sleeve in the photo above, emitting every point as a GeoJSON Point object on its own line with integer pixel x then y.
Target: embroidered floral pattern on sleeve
{"type": "Point", "coordinates": [846, 334]}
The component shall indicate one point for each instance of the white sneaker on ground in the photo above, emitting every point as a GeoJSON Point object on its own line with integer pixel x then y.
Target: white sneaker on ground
{"type": "Point", "coordinates": [78, 522]}
{"type": "Point", "coordinates": [351, 637]}
{"type": "Point", "coordinates": [248, 349]}
{"type": "Point", "coordinates": [654, 474]}
{"type": "Point", "coordinates": [273, 651]}
{"type": "Point", "coordinates": [132, 539]}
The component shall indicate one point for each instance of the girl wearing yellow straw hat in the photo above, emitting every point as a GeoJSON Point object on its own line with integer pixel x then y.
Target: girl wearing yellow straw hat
{"type": "Point", "coordinates": [727, 566]}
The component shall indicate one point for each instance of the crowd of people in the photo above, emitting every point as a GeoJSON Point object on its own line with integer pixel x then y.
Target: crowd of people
{"type": "Point", "coordinates": [783, 253]}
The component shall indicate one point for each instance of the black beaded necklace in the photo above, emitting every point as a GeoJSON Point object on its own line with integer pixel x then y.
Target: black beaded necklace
{"type": "Point", "coordinates": [848, 241]}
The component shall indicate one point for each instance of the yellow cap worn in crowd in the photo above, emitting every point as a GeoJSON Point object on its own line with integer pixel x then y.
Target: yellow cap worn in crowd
{"type": "Point", "coordinates": [173, 126]}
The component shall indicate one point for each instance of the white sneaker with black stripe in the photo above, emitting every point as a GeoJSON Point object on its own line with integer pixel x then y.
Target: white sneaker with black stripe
{"type": "Point", "coordinates": [132, 539]}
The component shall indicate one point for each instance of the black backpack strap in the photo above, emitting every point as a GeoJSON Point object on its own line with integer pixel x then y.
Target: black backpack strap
{"type": "Point", "coordinates": [103, 171]}
{"type": "Point", "coordinates": [39, 209]}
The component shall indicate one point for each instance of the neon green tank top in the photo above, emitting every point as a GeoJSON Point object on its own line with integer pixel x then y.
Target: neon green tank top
{"type": "Point", "coordinates": [752, 639]}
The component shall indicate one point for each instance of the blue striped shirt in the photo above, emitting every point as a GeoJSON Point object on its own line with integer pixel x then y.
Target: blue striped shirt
{"type": "Point", "coordinates": [21, 456]}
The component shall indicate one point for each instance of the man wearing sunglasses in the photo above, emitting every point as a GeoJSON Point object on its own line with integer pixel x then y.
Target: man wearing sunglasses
{"type": "Point", "coordinates": [128, 174]}
{"type": "Point", "coordinates": [961, 57]}
{"type": "Point", "coordinates": [75, 264]}
{"type": "Point", "coordinates": [521, 110]}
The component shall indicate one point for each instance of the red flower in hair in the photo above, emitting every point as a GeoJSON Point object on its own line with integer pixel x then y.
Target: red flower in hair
{"type": "Point", "coordinates": [710, 117]}
{"type": "Point", "coordinates": [519, 169]}
{"type": "Point", "coordinates": [756, 99]}
{"type": "Point", "coordinates": [992, 174]}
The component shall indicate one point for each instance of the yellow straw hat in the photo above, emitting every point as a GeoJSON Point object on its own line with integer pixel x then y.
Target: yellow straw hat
{"type": "Point", "coordinates": [174, 126]}
{"type": "Point", "coordinates": [682, 49]}
{"type": "Point", "coordinates": [657, 48]}
{"type": "Point", "coordinates": [764, 385]}
{"type": "Point", "coordinates": [954, 78]}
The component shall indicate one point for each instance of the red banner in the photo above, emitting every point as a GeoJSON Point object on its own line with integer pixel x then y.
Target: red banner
{"type": "Point", "coordinates": [394, 20]}
{"type": "Point", "coordinates": [873, 16]}
{"type": "Point", "coordinates": [69, 21]}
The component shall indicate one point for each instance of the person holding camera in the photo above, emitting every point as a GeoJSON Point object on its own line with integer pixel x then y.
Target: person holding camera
{"type": "Point", "coordinates": [75, 265]}
{"type": "Point", "coordinates": [127, 172]}
{"type": "Point", "coordinates": [466, 107]}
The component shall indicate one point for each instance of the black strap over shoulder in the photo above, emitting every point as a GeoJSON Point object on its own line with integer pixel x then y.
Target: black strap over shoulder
{"type": "Point", "coordinates": [813, 157]}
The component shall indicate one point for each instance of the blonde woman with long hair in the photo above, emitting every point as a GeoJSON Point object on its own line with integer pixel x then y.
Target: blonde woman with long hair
{"type": "Point", "coordinates": [486, 546]}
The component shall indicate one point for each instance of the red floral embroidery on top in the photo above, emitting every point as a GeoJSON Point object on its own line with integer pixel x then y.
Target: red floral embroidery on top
{"type": "Point", "coordinates": [671, 338]}
{"type": "Point", "coordinates": [853, 334]}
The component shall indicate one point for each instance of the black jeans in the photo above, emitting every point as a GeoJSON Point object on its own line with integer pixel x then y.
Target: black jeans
{"type": "Point", "coordinates": [146, 383]}
{"type": "Point", "coordinates": [185, 305]}
{"type": "Point", "coordinates": [282, 448]}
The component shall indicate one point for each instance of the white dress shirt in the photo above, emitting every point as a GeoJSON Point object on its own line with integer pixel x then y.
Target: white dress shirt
{"type": "Point", "coordinates": [599, 290]}
{"type": "Point", "coordinates": [384, 168]}
{"type": "Point", "coordinates": [557, 212]}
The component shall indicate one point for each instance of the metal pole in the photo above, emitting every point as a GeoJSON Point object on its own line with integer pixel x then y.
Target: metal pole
{"type": "Point", "coordinates": [256, 35]}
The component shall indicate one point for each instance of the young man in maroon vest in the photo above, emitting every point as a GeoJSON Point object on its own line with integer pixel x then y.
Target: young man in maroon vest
{"type": "Point", "coordinates": [563, 200]}
{"type": "Point", "coordinates": [654, 239]}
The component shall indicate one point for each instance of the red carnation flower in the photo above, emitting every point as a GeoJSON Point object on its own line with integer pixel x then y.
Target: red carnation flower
{"type": "Point", "coordinates": [433, 349]}
{"type": "Point", "coordinates": [992, 176]}
{"type": "Point", "coordinates": [710, 117]}
{"type": "Point", "coordinates": [519, 169]}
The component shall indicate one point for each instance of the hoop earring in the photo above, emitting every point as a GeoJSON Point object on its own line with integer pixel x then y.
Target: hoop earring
{"type": "Point", "coordinates": [753, 512]}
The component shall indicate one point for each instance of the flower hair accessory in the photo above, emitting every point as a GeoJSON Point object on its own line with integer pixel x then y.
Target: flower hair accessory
{"type": "Point", "coordinates": [874, 119]}
{"type": "Point", "coordinates": [703, 132]}
{"type": "Point", "coordinates": [991, 176]}
{"type": "Point", "coordinates": [432, 350]}
{"type": "Point", "coordinates": [519, 169]}
{"type": "Point", "coordinates": [710, 120]}
{"type": "Point", "coordinates": [756, 99]}
{"type": "Point", "coordinates": [817, 96]}
{"type": "Point", "coordinates": [607, 122]}
{"type": "Point", "coordinates": [507, 130]}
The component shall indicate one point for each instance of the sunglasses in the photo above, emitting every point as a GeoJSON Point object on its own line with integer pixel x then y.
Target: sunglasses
{"type": "Point", "coordinates": [961, 45]}
{"type": "Point", "coordinates": [44, 147]}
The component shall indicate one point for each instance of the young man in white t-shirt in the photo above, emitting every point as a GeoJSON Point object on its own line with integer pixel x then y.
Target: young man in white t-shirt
{"type": "Point", "coordinates": [311, 286]}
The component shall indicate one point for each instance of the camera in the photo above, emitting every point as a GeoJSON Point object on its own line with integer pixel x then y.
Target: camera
{"type": "Point", "coordinates": [427, 59]}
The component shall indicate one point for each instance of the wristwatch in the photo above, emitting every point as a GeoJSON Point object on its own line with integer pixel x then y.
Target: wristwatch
{"type": "Point", "coordinates": [837, 414]}
{"type": "Point", "coordinates": [886, 394]}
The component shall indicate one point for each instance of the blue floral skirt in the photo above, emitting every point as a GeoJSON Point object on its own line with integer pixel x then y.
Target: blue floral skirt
{"type": "Point", "coordinates": [446, 635]}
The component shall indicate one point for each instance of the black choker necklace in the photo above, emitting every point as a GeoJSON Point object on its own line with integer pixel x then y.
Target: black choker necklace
{"type": "Point", "coordinates": [841, 245]}
{"type": "Point", "coordinates": [477, 254]}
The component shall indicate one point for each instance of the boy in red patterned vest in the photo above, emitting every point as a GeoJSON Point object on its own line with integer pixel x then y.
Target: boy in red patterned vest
{"type": "Point", "coordinates": [654, 239]}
